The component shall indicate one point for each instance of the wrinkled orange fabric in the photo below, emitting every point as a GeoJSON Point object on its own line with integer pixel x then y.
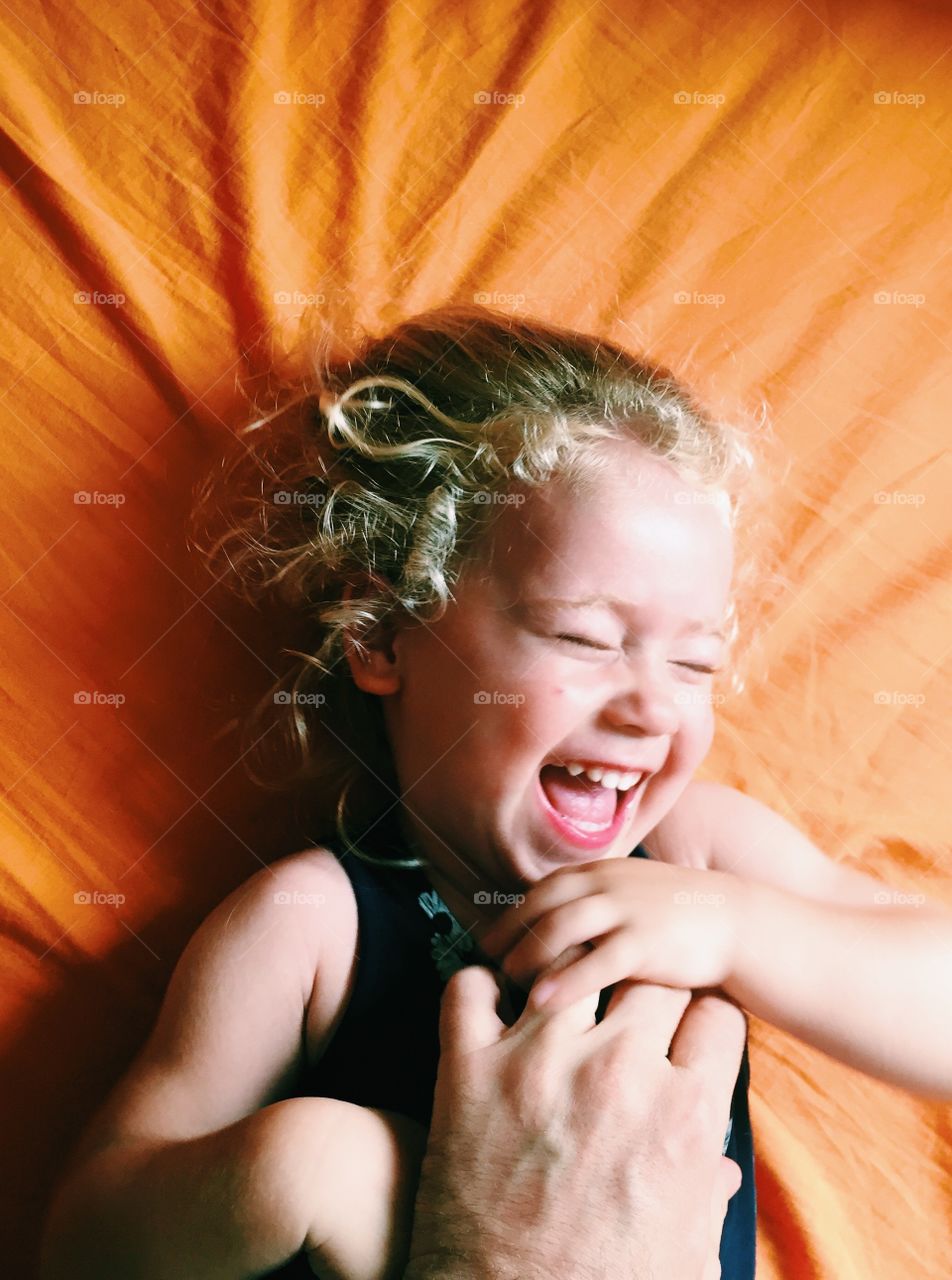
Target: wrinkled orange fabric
{"type": "Point", "coordinates": [757, 195]}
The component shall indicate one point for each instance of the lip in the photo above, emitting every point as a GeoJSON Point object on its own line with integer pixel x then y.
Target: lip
{"type": "Point", "coordinates": [592, 840]}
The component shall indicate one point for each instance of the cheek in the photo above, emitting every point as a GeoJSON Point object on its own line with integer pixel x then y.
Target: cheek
{"type": "Point", "coordinates": [551, 707]}
{"type": "Point", "coordinates": [558, 690]}
{"type": "Point", "coordinates": [696, 735]}
{"type": "Point", "coordinates": [448, 681]}
{"type": "Point", "coordinates": [523, 731]}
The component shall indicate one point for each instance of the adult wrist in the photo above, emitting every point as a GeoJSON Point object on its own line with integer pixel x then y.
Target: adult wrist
{"type": "Point", "coordinates": [444, 1248]}
{"type": "Point", "coordinates": [447, 1266]}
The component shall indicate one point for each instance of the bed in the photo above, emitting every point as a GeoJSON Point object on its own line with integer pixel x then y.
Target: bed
{"type": "Point", "coordinates": [755, 195]}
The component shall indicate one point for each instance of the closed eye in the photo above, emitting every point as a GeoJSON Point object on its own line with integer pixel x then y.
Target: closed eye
{"type": "Point", "coordinates": [582, 640]}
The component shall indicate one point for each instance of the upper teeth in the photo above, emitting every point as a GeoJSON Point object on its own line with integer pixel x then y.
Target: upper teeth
{"type": "Point", "coordinates": [607, 777]}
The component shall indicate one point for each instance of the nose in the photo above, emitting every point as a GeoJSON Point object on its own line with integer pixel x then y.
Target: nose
{"type": "Point", "coordinates": [646, 698]}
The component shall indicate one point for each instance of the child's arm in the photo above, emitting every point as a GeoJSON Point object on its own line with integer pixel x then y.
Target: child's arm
{"type": "Point", "coordinates": [735, 897]}
{"type": "Point", "coordinates": [362, 1201]}
{"type": "Point", "coordinates": [870, 986]}
{"type": "Point", "coordinates": [831, 955]}
{"type": "Point", "coordinates": [240, 1202]}
{"type": "Point", "coordinates": [198, 1165]}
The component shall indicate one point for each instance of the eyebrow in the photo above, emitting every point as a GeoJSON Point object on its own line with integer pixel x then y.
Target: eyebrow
{"type": "Point", "coordinates": [694, 626]}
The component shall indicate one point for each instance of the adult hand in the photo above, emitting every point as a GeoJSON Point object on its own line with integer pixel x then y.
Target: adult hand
{"type": "Point", "coordinates": [560, 1146]}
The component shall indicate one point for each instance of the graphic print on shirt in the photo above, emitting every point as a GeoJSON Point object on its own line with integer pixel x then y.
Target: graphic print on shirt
{"type": "Point", "coordinates": [451, 948]}
{"type": "Point", "coordinates": [450, 944]}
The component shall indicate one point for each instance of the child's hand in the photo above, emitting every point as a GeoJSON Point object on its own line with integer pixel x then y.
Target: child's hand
{"type": "Point", "coordinates": [647, 920]}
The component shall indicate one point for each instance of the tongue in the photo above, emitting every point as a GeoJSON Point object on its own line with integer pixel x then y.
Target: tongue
{"type": "Point", "coordinates": [578, 799]}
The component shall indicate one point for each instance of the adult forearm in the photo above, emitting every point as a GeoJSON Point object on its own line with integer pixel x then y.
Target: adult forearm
{"type": "Point", "coordinates": [452, 1266]}
{"type": "Point", "coordinates": [232, 1203]}
{"type": "Point", "coordinates": [449, 1242]}
{"type": "Point", "coordinates": [872, 987]}
{"type": "Point", "coordinates": [442, 1269]}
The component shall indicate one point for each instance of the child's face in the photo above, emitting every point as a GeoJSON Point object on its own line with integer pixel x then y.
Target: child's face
{"type": "Point", "coordinates": [487, 695]}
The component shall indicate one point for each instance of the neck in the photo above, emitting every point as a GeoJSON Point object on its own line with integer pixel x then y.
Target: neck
{"type": "Point", "coordinates": [473, 915]}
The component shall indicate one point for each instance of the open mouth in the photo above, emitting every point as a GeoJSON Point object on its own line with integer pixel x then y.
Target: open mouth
{"type": "Point", "coordinates": [585, 812]}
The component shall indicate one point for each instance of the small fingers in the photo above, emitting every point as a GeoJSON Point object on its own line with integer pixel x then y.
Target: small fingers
{"type": "Point", "coordinates": [573, 924]}
{"type": "Point", "coordinates": [562, 886]}
{"type": "Point", "coordinates": [577, 1016]}
{"type": "Point", "coordinates": [611, 961]}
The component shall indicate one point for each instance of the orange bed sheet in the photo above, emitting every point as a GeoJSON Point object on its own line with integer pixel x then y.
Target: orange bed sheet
{"type": "Point", "coordinates": [755, 194]}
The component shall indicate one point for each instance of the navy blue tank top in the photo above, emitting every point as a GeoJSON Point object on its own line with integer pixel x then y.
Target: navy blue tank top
{"type": "Point", "coordinates": [386, 1048]}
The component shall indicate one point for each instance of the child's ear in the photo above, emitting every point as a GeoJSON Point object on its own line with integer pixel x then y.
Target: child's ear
{"type": "Point", "coordinates": [372, 661]}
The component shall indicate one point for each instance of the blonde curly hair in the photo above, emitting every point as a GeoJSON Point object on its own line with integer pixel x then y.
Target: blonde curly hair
{"type": "Point", "coordinates": [361, 495]}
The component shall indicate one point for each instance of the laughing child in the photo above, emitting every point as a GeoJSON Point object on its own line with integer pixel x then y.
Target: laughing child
{"type": "Point", "coordinates": [517, 546]}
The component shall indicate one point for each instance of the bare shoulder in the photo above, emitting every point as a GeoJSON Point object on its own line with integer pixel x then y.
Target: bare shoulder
{"type": "Point", "coordinates": [683, 836]}
{"type": "Point", "coordinates": [313, 884]}
{"type": "Point", "coordinates": [710, 822]}
{"type": "Point", "coordinates": [719, 828]}
{"type": "Point", "coordinates": [253, 996]}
